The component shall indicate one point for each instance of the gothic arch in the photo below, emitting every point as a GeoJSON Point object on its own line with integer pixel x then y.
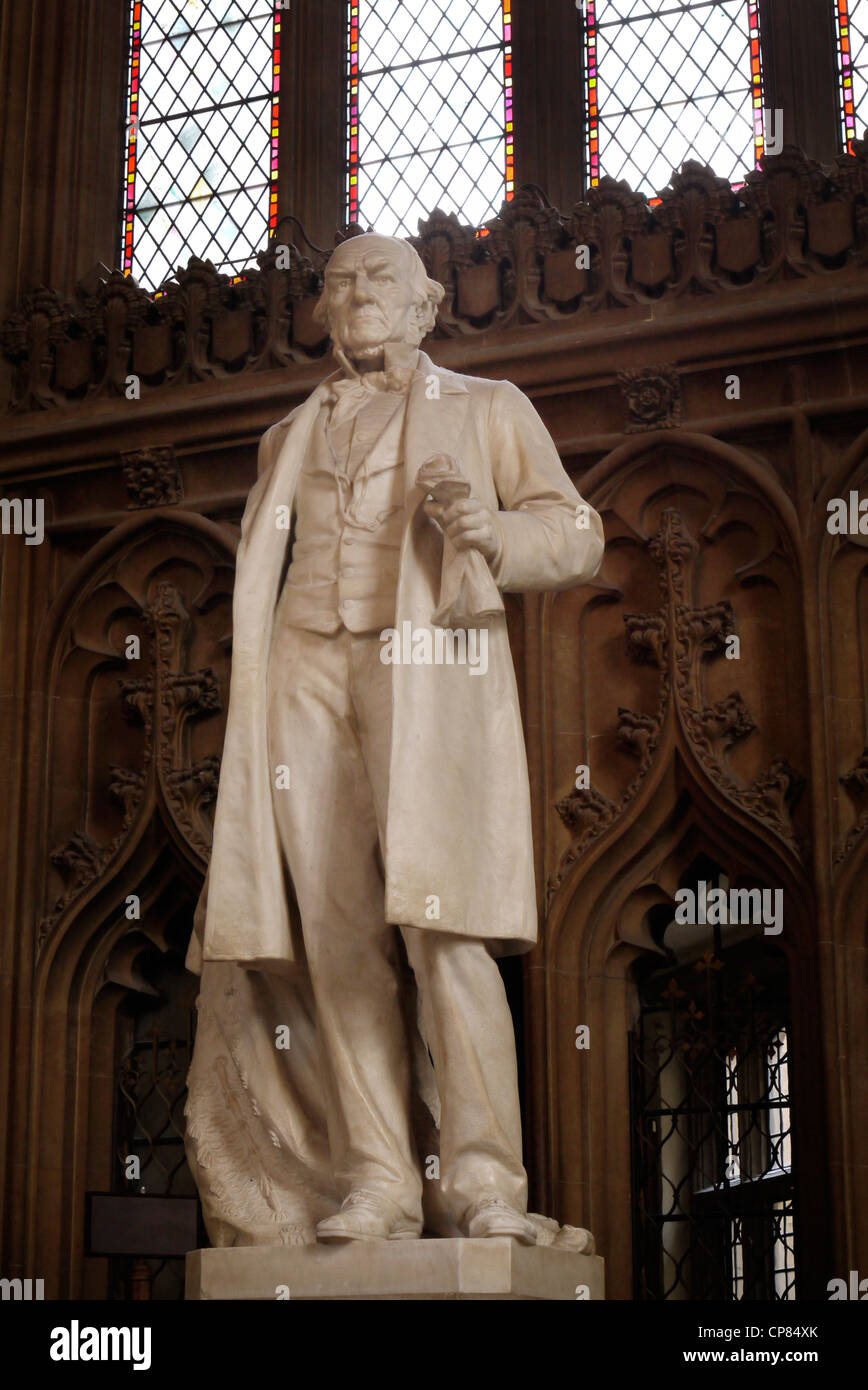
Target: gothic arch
{"type": "Point", "coordinates": [672, 761]}
{"type": "Point", "coordinates": [152, 722]}
{"type": "Point", "coordinates": [596, 932]}
{"type": "Point", "coordinates": [602, 482]}
{"type": "Point", "coordinates": [141, 827]}
{"type": "Point", "coordinates": [88, 974]}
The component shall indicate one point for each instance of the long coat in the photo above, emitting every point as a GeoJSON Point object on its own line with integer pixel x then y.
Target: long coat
{"type": "Point", "coordinates": [458, 853]}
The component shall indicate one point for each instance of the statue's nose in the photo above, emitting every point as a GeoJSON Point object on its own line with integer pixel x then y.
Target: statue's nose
{"type": "Point", "coordinates": [362, 292]}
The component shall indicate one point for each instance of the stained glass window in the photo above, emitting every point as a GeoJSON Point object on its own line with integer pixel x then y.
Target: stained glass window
{"type": "Point", "coordinates": [201, 157]}
{"type": "Point", "coordinates": [667, 82]}
{"type": "Point", "coordinates": [430, 111]}
{"type": "Point", "coordinates": [852, 18]}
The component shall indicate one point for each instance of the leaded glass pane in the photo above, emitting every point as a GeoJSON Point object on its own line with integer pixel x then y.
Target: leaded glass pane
{"type": "Point", "coordinates": [202, 134]}
{"type": "Point", "coordinates": [430, 111]}
{"type": "Point", "coordinates": [667, 82]}
{"type": "Point", "coordinates": [852, 16]}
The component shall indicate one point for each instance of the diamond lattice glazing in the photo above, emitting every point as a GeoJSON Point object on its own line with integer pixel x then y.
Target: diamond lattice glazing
{"type": "Point", "coordinates": [430, 110]}
{"type": "Point", "coordinates": [669, 82]}
{"type": "Point", "coordinates": [202, 94]}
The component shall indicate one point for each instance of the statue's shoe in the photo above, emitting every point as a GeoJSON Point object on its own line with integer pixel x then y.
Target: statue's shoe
{"type": "Point", "coordinates": [550, 1232]}
{"type": "Point", "coordinates": [365, 1216]}
{"type": "Point", "coordinates": [492, 1216]}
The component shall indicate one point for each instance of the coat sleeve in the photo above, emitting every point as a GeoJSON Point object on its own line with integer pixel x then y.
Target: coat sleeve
{"type": "Point", "coordinates": [550, 537]}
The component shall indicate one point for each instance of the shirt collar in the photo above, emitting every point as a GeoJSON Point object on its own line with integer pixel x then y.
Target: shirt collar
{"type": "Point", "coordinates": [400, 361]}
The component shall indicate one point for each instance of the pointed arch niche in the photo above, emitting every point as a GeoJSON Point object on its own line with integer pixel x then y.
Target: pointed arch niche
{"type": "Point", "coordinates": [135, 662]}
{"type": "Point", "coordinates": [674, 727]}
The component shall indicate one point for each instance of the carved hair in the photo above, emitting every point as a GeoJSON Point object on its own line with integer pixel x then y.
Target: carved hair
{"type": "Point", "coordinates": [428, 292]}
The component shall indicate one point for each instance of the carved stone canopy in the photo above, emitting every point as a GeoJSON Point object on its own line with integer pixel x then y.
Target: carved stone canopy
{"type": "Point", "coordinates": [790, 218]}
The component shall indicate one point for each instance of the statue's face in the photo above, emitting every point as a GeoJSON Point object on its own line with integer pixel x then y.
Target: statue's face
{"type": "Point", "coordinates": [370, 299]}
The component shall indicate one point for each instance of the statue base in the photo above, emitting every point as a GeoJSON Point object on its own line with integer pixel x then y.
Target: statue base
{"type": "Point", "coordinates": [495, 1268]}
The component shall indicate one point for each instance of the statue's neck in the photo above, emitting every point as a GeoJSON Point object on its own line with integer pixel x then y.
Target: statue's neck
{"type": "Point", "coordinates": [377, 359]}
{"type": "Point", "coordinates": [371, 360]}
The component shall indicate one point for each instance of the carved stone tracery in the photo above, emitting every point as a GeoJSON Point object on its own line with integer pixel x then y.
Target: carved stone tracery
{"type": "Point", "coordinates": [677, 640]}
{"type": "Point", "coordinates": [791, 218]}
{"type": "Point", "coordinates": [652, 396]}
{"type": "Point", "coordinates": [164, 703]}
{"type": "Point", "coordinates": [856, 782]}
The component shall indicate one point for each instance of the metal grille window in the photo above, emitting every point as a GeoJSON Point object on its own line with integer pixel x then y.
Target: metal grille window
{"type": "Point", "coordinates": [155, 1043]}
{"type": "Point", "coordinates": [201, 162]}
{"type": "Point", "coordinates": [852, 19]}
{"type": "Point", "coordinates": [713, 1177]}
{"type": "Point", "coordinates": [667, 82]}
{"type": "Point", "coordinates": [430, 111]}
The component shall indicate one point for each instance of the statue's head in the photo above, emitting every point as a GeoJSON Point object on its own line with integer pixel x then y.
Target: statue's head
{"type": "Point", "coordinates": [377, 291]}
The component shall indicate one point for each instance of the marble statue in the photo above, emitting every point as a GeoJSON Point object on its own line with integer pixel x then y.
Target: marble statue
{"type": "Point", "coordinates": [354, 1072]}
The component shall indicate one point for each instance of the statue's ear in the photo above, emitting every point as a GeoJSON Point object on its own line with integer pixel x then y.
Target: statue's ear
{"type": "Point", "coordinates": [425, 316]}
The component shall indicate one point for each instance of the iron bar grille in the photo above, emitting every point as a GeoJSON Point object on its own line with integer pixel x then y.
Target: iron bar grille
{"type": "Point", "coordinates": [155, 1048]}
{"type": "Point", "coordinates": [668, 82]}
{"type": "Point", "coordinates": [713, 1195]}
{"type": "Point", "coordinates": [852, 28]}
{"type": "Point", "coordinates": [202, 124]}
{"type": "Point", "coordinates": [430, 118]}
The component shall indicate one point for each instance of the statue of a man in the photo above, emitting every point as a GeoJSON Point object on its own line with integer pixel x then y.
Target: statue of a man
{"type": "Point", "coordinates": [372, 842]}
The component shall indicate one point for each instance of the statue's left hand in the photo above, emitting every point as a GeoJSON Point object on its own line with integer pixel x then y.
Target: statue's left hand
{"type": "Point", "coordinates": [469, 525]}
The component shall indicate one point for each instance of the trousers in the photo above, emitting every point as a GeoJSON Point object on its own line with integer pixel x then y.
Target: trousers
{"type": "Point", "coordinates": [329, 702]}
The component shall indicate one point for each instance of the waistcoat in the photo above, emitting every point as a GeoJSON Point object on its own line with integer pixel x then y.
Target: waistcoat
{"type": "Point", "coordinates": [349, 522]}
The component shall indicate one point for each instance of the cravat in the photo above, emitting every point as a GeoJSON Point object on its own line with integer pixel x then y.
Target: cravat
{"type": "Point", "coordinates": [348, 395]}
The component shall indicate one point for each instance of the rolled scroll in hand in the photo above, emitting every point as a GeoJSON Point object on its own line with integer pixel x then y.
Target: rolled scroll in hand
{"type": "Point", "coordinates": [468, 594]}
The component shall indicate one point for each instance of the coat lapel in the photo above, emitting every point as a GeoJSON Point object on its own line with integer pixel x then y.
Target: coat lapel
{"type": "Point", "coordinates": [433, 426]}
{"type": "Point", "coordinates": [287, 449]}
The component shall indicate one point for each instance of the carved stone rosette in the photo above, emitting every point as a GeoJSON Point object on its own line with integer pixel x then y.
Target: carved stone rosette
{"type": "Point", "coordinates": [152, 477]}
{"type": "Point", "coordinates": [653, 398]}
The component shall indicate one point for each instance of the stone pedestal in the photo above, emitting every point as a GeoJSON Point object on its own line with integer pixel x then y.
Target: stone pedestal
{"type": "Point", "coordinates": [413, 1269]}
